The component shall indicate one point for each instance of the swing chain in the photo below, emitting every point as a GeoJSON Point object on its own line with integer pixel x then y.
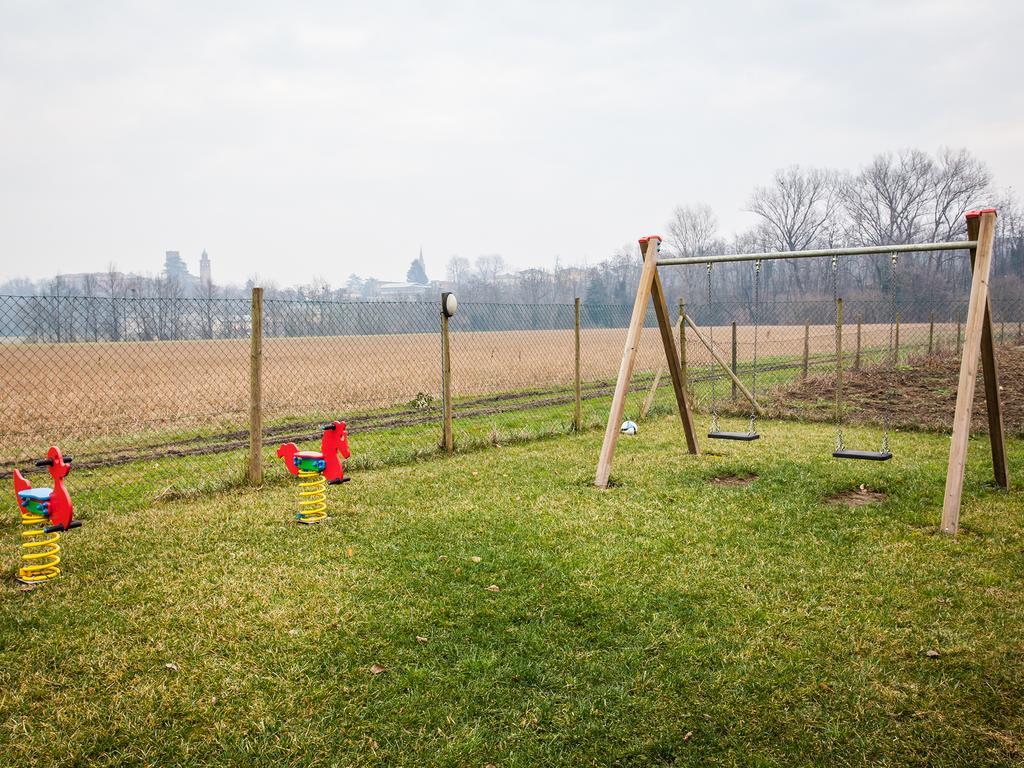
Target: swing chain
{"type": "Point", "coordinates": [840, 443]}
{"type": "Point", "coordinates": [751, 428]}
{"type": "Point", "coordinates": [893, 309]}
{"type": "Point", "coordinates": [711, 343]}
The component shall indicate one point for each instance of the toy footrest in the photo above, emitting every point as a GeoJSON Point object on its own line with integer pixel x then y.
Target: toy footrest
{"type": "Point", "coordinates": [745, 436]}
{"type": "Point", "coordinates": [310, 464]}
{"type": "Point", "coordinates": [864, 455]}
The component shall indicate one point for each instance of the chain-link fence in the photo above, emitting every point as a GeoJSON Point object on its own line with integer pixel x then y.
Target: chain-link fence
{"type": "Point", "coordinates": [152, 396]}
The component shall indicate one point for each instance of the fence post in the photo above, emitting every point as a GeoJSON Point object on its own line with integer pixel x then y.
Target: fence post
{"type": "Point", "coordinates": [734, 358]}
{"type": "Point", "coordinates": [256, 389]}
{"type": "Point", "coordinates": [682, 342]}
{"type": "Point", "coordinates": [577, 418]}
{"type": "Point", "coordinates": [447, 441]}
{"type": "Point", "coordinates": [931, 334]}
{"type": "Point", "coordinates": [807, 348]}
{"type": "Point", "coordinates": [1002, 333]}
{"type": "Point", "coordinates": [896, 351]}
{"type": "Point", "coordinates": [1018, 331]}
{"type": "Point", "coordinates": [959, 336]}
{"type": "Point", "coordinates": [856, 357]}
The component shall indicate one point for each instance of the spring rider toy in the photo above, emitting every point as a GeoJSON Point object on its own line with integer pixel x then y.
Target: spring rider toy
{"type": "Point", "coordinates": [317, 469]}
{"type": "Point", "coordinates": [45, 512]}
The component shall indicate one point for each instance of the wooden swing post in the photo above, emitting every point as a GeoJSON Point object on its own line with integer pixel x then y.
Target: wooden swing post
{"type": "Point", "coordinates": [978, 346]}
{"type": "Point", "coordinates": [649, 288]}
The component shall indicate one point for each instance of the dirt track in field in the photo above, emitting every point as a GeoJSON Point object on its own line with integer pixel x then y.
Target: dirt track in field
{"type": "Point", "coordinates": [99, 391]}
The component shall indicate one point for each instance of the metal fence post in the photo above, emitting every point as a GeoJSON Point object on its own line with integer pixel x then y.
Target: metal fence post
{"type": "Point", "coordinates": [577, 419]}
{"type": "Point", "coordinates": [447, 441]}
{"type": "Point", "coordinates": [807, 349]}
{"type": "Point", "coordinates": [734, 358]}
{"type": "Point", "coordinates": [256, 389]}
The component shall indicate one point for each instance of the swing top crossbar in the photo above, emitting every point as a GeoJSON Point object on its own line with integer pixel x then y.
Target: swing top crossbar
{"type": "Point", "coordinates": [955, 245]}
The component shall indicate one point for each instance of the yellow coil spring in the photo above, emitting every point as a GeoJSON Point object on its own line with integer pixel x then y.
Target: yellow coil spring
{"type": "Point", "coordinates": [38, 550]}
{"type": "Point", "coordinates": [312, 497]}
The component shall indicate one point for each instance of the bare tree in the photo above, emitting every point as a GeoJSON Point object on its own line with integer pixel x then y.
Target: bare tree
{"type": "Point", "coordinates": [886, 201]}
{"type": "Point", "coordinates": [960, 182]}
{"type": "Point", "coordinates": [692, 229]}
{"type": "Point", "coordinates": [798, 210]}
{"type": "Point", "coordinates": [458, 269]}
{"type": "Point", "coordinates": [489, 266]}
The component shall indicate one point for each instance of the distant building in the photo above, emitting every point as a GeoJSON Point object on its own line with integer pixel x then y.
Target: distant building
{"type": "Point", "coordinates": [175, 267]}
{"type": "Point", "coordinates": [205, 277]}
{"type": "Point", "coordinates": [404, 291]}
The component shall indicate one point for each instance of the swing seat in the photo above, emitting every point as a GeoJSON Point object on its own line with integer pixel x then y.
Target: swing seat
{"type": "Point", "coordinates": [864, 455]}
{"type": "Point", "coordinates": [745, 436]}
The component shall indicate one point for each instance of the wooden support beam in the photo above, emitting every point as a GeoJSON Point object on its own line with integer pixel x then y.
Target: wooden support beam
{"type": "Point", "coordinates": [807, 350]}
{"type": "Point", "coordinates": [652, 393]}
{"type": "Point", "coordinates": [672, 360]}
{"type": "Point", "coordinates": [255, 472]}
{"type": "Point", "coordinates": [636, 324]}
{"type": "Point", "coordinates": [649, 400]}
{"type": "Point", "coordinates": [990, 372]}
{"type": "Point", "coordinates": [724, 366]}
{"type": "Point", "coordinates": [735, 345]}
{"type": "Point", "coordinates": [577, 414]}
{"type": "Point", "coordinates": [974, 332]}
{"type": "Point", "coordinates": [447, 439]}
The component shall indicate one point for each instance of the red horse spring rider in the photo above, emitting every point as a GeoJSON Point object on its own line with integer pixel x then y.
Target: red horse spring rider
{"type": "Point", "coordinates": [317, 469]}
{"type": "Point", "coordinates": [45, 512]}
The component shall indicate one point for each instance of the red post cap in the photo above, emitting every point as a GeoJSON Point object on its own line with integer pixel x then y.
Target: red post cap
{"type": "Point", "coordinates": [976, 214]}
{"type": "Point", "coordinates": [645, 240]}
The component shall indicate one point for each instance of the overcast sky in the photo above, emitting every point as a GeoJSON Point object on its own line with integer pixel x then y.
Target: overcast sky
{"type": "Point", "coordinates": [301, 139]}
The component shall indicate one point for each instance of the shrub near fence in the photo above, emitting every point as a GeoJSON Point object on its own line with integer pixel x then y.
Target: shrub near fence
{"type": "Point", "coordinates": [151, 396]}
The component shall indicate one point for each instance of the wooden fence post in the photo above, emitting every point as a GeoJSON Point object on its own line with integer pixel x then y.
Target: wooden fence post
{"type": "Point", "coordinates": [959, 335]}
{"type": "Point", "coordinates": [577, 419]}
{"type": "Point", "coordinates": [856, 357]}
{"type": "Point", "coordinates": [256, 389]}
{"type": "Point", "coordinates": [1002, 333]}
{"type": "Point", "coordinates": [682, 342]}
{"type": "Point", "coordinates": [807, 348]}
{"type": "Point", "coordinates": [931, 334]}
{"type": "Point", "coordinates": [734, 345]}
{"type": "Point", "coordinates": [447, 441]}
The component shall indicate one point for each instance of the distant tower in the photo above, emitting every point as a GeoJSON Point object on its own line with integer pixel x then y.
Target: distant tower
{"type": "Point", "coordinates": [174, 267]}
{"type": "Point", "coordinates": [204, 269]}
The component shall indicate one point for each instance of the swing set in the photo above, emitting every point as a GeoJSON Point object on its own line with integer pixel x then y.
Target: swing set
{"type": "Point", "coordinates": [978, 348]}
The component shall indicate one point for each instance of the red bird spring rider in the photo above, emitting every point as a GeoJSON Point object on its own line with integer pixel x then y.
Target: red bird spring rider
{"type": "Point", "coordinates": [317, 469]}
{"type": "Point", "coordinates": [45, 512]}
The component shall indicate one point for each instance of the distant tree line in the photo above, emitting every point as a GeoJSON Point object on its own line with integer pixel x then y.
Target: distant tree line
{"type": "Point", "coordinates": [903, 197]}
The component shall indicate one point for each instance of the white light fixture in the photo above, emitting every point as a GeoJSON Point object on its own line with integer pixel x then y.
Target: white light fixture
{"type": "Point", "coordinates": [449, 304]}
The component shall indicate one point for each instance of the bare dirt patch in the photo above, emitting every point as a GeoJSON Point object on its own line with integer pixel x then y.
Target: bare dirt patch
{"type": "Point", "coordinates": [858, 497]}
{"type": "Point", "coordinates": [734, 481]}
{"type": "Point", "coordinates": [920, 395]}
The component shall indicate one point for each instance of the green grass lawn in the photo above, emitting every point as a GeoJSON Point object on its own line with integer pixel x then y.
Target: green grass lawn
{"type": "Point", "coordinates": [666, 621]}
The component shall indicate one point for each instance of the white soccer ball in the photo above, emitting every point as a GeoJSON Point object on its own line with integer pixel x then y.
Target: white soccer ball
{"type": "Point", "coordinates": [628, 428]}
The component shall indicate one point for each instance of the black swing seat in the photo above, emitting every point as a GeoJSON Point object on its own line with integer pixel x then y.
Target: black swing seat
{"type": "Point", "coordinates": [865, 455]}
{"type": "Point", "coordinates": [745, 436]}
